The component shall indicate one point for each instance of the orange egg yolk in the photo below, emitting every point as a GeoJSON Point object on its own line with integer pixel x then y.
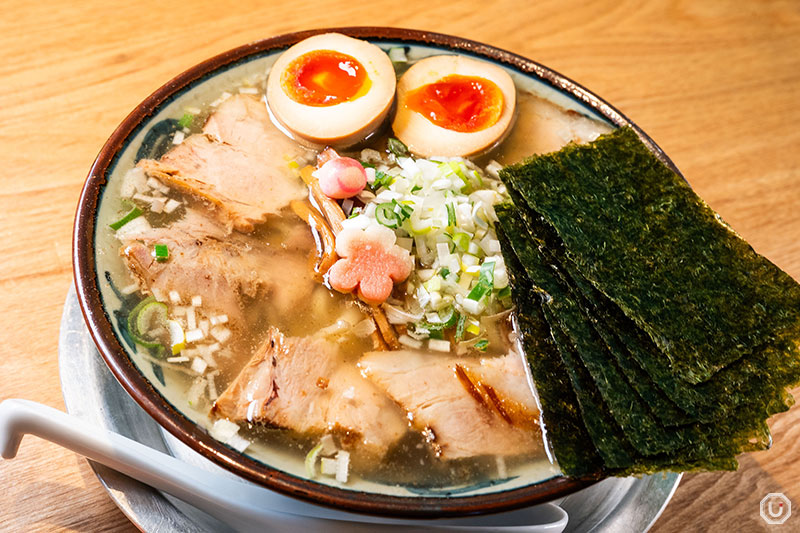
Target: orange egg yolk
{"type": "Point", "coordinates": [324, 77]}
{"type": "Point", "coordinates": [458, 103]}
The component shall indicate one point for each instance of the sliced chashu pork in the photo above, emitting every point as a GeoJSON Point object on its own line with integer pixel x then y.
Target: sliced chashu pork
{"type": "Point", "coordinates": [239, 166]}
{"type": "Point", "coordinates": [223, 269]}
{"type": "Point", "coordinates": [471, 407]}
{"type": "Point", "coordinates": [302, 384]}
{"type": "Point", "coordinates": [243, 121]}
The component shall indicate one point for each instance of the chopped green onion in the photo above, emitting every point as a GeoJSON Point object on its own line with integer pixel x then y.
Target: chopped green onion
{"type": "Point", "coordinates": [161, 252]}
{"type": "Point", "coordinates": [397, 147]}
{"type": "Point", "coordinates": [461, 240]}
{"type": "Point", "coordinates": [354, 214]}
{"type": "Point", "coordinates": [151, 316]}
{"type": "Point", "coordinates": [462, 321]}
{"type": "Point", "coordinates": [422, 203]}
{"type": "Point", "coordinates": [482, 345]}
{"type": "Point", "coordinates": [311, 461]}
{"type": "Point", "coordinates": [186, 120]}
{"type": "Point", "coordinates": [382, 179]}
{"type": "Point", "coordinates": [479, 291]}
{"type": "Point", "coordinates": [451, 214]}
{"type": "Point", "coordinates": [421, 227]}
{"type": "Point", "coordinates": [436, 334]}
{"type": "Point", "coordinates": [403, 211]}
{"type": "Point", "coordinates": [450, 246]}
{"type": "Point", "coordinates": [504, 293]}
{"type": "Point", "coordinates": [456, 168]}
{"type": "Point", "coordinates": [133, 213]}
{"type": "Point", "coordinates": [433, 284]}
{"type": "Point", "coordinates": [487, 273]}
{"type": "Point", "coordinates": [452, 320]}
{"type": "Point", "coordinates": [474, 328]}
{"type": "Point", "coordinates": [366, 164]}
{"type": "Point", "coordinates": [485, 282]}
{"type": "Point", "coordinates": [384, 214]}
{"type": "Point", "coordinates": [439, 327]}
{"type": "Point", "coordinates": [133, 323]}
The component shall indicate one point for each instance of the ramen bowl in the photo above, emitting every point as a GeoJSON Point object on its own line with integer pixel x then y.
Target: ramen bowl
{"type": "Point", "coordinates": [164, 398]}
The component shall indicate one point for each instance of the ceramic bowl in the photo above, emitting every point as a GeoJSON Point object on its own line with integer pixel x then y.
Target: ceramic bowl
{"type": "Point", "coordinates": [159, 398]}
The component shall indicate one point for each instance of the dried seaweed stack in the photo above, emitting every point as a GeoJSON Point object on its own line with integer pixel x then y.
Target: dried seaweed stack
{"type": "Point", "coordinates": [653, 330]}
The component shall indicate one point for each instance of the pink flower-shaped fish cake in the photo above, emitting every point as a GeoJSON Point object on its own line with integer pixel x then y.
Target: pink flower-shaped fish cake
{"type": "Point", "coordinates": [371, 261]}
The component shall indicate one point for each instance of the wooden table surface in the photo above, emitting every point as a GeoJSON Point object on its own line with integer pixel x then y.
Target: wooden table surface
{"type": "Point", "coordinates": [716, 84]}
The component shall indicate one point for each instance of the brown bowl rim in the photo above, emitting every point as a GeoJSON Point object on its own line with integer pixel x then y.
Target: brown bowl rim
{"type": "Point", "coordinates": [143, 392]}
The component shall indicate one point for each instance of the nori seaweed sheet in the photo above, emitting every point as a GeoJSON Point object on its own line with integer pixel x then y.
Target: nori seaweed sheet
{"type": "Point", "coordinates": [749, 431]}
{"type": "Point", "coordinates": [708, 401]}
{"type": "Point", "coordinates": [567, 427]}
{"type": "Point", "coordinates": [637, 231]}
{"type": "Point", "coordinates": [760, 380]}
{"type": "Point", "coordinates": [614, 327]}
{"type": "Point", "coordinates": [561, 415]}
{"type": "Point", "coordinates": [601, 311]}
{"type": "Point", "coordinates": [608, 437]}
{"type": "Point", "coordinates": [611, 438]}
{"type": "Point", "coordinates": [642, 429]}
{"type": "Point", "coordinates": [587, 351]}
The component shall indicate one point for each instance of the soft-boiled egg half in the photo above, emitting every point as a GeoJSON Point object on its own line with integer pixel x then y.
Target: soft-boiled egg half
{"type": "Point", "coordinates": [331, 89]}
{"type": "Point", "coordinates": [453, 106]}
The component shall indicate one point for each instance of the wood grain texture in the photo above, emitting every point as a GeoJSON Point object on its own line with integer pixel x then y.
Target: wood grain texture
{"type": "Point", "coordinates": [716, 84]}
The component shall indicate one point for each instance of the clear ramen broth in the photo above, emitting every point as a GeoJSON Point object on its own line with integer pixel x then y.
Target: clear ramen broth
{"type": "Point", "coordinates": [297, 303]}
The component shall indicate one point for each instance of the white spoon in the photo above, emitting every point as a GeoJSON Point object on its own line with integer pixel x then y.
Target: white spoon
{"type": "Point", "coordinates": [242, 505]}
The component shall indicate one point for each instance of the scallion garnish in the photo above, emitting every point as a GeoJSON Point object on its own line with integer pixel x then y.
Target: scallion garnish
{"type": "Point", "coordinates": [186, 120]}
{"type": "Point", "coordinates": [439, 327]}
{"type": "Point", "coordinates": [461, 240]}
{"type": "Point", "coordinates": [384, 214]}
{"type": "Point", "coordinates": [161, 252]}
{"type": "Point", "coordinates": [133, 323]}
{"type": "Point", "coordinates": [478, 292]}
{"type": "Point", "coordinates": [311, 460]}
{"type": "Point", "coordinates": [485, 282]}
{"type": "Point", "coordinates": [397, 147]}
{"type": "Point", "coordinates": [487, 272]}
{"type": "Point", "coordinates": [451, 215]}
{"type": "Point", "coordinates": [392, 214]}
{"type": "Point", "coordinates": [462, 321]}
{"type": "Point", "coordinates": [456, 168]}
{"type": "Point", "coordinates": [133, 213]}
{"type": "Point", "coordinates": [402, 211]}
{"type": "Point", "coordinates": [504, 293]}
{"type": "Point", "coordinates": [382, 179]}
{"type": "Point", "coordinates": [444, 272]}
{"type": "Point", "coordinates": [482, 345]}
